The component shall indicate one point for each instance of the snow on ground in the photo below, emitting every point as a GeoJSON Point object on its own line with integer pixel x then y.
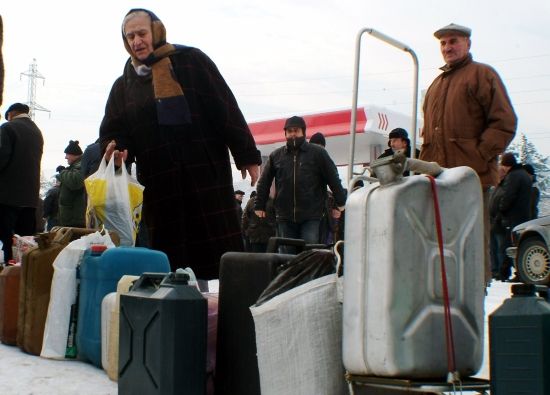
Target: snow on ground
{"type": "Point", "coordinates": [23, 374]}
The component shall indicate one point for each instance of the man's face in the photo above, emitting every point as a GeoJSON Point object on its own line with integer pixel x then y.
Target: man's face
{"type": "Point", "coordinates": [139, 36]}
{"type": "Point", "coordinates": [71, 158]}
{"type": "Point", "coordinates": [454, 47]}
{"type": "Point", "coordinates": [503, 170]}
{"type": "Point", "coordinates": [292, 133]}
{"type": "Point", "coordinates": [239, 197]}
{"type": "Point", "coordinates": [397, 143]}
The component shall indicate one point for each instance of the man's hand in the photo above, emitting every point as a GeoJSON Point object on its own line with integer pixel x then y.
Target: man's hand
{"type": "Point", "coordinates": [260, 213]}
{"type": "Point", "coordinates": [119, 156]}
{"type": "Point", "coordinates": [253, 170]}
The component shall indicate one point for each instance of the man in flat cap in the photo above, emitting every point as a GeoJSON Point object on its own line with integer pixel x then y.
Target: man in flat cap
{"type": "Point", "coordinates": [468, 117]}
{"type": "Point", "coordinates": [21, 145]}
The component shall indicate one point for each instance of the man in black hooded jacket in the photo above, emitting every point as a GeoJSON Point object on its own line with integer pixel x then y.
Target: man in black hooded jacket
{"type": "Point", "coordinates": [302, 172]}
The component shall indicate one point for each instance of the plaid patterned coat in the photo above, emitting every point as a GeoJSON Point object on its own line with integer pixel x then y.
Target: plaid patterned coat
{"type": "Point", "coordinates": [189, 203]}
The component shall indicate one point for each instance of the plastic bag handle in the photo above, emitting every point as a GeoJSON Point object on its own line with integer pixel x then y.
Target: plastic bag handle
{"type": "Point", "coordinates": [339, 282]}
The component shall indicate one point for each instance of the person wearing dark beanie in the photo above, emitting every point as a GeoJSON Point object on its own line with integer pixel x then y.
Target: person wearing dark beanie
{"type": "Point", "coordinates": [72, 194]}
{"type": "Point", "coordinates": [398, 140]}
{"type": "Point", "coordinates": [302, 172]}
{"type": "Point", "coordinates": [319, 139]}
{"type": "Point", "coordinates": [73, 148]}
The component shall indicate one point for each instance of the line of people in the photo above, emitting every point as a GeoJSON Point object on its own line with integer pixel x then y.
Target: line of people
{"type": "Point", "coordinates": [172, 113]}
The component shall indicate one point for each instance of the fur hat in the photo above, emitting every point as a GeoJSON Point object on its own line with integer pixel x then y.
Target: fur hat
{"type": "Point", "coordinates": [295, 122]}
{"type": "Point", "coordinates": [508, 159]}
{"type": "Point", "coordinates": [453, 28]}
{"type": "Point", "coordinates": [18, 107]}
{"type": "Point", "coordinates": [318, 138]}
{"type": "Point", "coordinates": [399, 133]}
{"type": "Point", "coordinates": [73, 148]}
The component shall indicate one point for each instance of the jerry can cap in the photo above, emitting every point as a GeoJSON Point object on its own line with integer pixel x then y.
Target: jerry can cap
{"type": "Point", "coordinates": [523, 290]}
{"type": "Point", "coordinates": [180, 276]}
{"type": "Point", "coordinates": [97, 249]}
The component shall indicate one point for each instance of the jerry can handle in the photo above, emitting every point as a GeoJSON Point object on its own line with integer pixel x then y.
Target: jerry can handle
{"type": "Point", "coordinates": [149, 280]}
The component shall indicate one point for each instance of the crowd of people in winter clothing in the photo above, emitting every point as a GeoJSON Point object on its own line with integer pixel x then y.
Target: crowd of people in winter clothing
{"type": "Point", "coordinates": [173, 115]}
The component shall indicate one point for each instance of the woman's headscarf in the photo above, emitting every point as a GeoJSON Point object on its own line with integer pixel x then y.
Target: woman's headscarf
{"type": "Point", "coordinates": [168, 91]}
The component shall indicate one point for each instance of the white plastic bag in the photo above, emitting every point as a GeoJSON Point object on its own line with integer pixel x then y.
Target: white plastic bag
{"type": "Point", "coordinates": [115, 200]}
{"type": "Point", "coordinates": [63, 293]}
{"type": "Point", "coordinates": [299, 340]}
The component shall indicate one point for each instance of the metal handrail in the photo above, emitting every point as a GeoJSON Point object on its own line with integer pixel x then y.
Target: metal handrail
{"type": "Point", "coordinates": [353, 124]}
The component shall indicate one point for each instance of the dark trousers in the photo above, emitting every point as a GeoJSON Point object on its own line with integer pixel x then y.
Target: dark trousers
{"type": "Point", "coordinates": [257, 247]}
{"type": "Point", "coordinates": [15, 220]}
{"type": "Point", "coordinates": [307, 231]}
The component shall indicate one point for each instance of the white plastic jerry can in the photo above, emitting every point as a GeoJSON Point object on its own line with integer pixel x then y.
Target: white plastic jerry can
{"type": "Point", "coordinates": [394, 322]}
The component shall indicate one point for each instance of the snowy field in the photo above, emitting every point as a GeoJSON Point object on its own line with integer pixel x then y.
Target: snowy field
{"type": "Point", "coordinates": [23, 374]}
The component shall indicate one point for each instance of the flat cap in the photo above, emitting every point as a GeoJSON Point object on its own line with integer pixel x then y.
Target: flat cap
{"type": "Point", "coordinates": [453, 28]}
{"type": "Point", "coordinates": [17, 107]}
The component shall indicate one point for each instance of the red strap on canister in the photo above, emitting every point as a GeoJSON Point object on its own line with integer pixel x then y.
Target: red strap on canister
{"type": "Point", "coordinates": [451, 360]}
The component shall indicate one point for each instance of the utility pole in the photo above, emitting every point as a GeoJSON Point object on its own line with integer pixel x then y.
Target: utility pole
{"type": "Point", "coordinates": [33, 75]}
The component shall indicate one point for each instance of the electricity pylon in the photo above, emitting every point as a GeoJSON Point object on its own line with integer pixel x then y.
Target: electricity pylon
{"type": "Point", "coordinates": [33, 75]}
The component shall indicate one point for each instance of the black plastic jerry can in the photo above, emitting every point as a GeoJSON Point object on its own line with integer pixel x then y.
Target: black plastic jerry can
{"type": "Point", "coordinates": [519, 343]}
{"type": "Point", "coordinates": [162, 337]}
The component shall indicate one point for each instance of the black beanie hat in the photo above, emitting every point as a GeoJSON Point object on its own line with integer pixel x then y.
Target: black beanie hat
{"type": "Point", "coordinates": [508, 159]}
{"type": "Point", "coordinates": [318, 138]}
{"type": "Point", "coordinates": [295, 122]}
{"type": "Point", "coordinates": [73, 148]}
{"type": "Point", "coordinates": [399, 133]}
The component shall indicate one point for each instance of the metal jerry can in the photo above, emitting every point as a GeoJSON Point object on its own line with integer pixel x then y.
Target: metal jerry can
{"type": "Point", "coordinates": [394, 322]}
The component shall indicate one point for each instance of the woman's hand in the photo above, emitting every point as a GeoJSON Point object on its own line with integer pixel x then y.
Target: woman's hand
{"type": "Point", "coordinates": [119, 156]}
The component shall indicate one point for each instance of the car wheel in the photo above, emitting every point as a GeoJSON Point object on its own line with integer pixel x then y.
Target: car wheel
{"type": "Point", "coordinates": [534, 261]}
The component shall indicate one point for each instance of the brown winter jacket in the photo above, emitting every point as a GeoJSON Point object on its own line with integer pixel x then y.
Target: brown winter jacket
{"type": "Point", "coordinates": [468, 119]}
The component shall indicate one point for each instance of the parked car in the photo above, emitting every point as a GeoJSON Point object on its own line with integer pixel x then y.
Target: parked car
{"type": "Point", "coordinates": [530, 250]}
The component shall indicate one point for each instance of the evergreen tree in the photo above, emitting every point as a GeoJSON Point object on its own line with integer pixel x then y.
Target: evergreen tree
{"type": "Point", "coordinates": [526, 152]}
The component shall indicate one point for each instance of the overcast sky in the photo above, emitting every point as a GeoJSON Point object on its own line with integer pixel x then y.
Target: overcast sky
{"type": "Point", "coordinates": [279, 57]}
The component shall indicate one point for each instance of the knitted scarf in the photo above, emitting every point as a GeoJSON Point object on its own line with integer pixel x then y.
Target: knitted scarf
{"type": "Point", "coordinates": [172, 107]}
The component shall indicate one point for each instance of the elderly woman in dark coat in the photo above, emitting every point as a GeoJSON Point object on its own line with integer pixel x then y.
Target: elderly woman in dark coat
{"type": "Point", "coordinates": [172, 112]}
